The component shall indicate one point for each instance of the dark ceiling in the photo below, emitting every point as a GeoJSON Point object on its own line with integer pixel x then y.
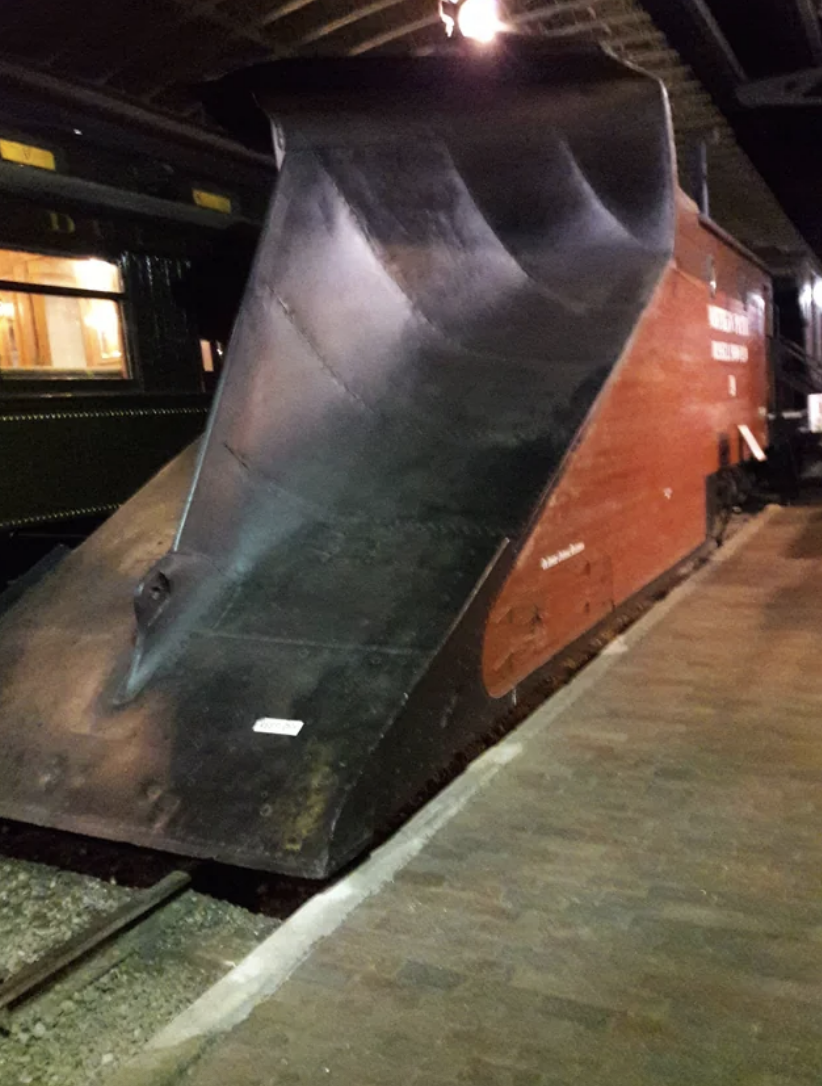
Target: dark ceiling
{"type": "Point", "coordinates": [767, 36]}
{"type": "Point", "coordinates": [153, 49]}
{"type": "Point", "coordinates": [750, 41]}
{"type": "Point", "coordinates": [157, 51]}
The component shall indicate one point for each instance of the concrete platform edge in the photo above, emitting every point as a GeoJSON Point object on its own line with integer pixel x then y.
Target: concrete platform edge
{"type": "Point", "coordinates": [266, 968]}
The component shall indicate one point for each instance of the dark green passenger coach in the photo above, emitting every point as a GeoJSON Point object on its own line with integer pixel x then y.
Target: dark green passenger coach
{"type": "Point", "coordinates": [125, 240]}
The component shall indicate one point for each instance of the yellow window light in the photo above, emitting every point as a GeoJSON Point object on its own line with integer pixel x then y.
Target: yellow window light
{"type": "Point", "coordinates": [26, 155]}
{"type": "Point", "coordinates": [213, 201]}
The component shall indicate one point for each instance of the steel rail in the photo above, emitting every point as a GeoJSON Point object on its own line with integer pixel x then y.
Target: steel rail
{"type": "Point", "coordinates": [55, 962]}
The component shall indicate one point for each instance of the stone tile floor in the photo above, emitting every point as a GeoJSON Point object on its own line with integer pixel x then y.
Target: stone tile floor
{"type": "Point", "coordinates": [637, 901]}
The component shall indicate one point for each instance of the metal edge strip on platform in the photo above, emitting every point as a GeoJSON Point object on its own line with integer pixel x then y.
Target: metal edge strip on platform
{"type": "Point", "coordinates": [268, 966]}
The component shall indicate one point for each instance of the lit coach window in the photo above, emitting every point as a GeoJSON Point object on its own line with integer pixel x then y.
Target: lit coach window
{"type": "Point", "coordinates": [211, 352]}
{"type": "Point", "coordinates": [60, 317]}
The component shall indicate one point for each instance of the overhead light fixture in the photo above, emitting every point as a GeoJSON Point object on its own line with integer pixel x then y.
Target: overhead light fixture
{"type": "Point", "coordinates": [475, 19]}
{"type": "Point", "coordinates": [479, 19]}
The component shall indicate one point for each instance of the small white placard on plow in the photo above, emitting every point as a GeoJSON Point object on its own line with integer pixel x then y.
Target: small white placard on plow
{"type": "Point", "coordinates": [272, 725]}
{"type": "Point", "coordinates": [752, 443]}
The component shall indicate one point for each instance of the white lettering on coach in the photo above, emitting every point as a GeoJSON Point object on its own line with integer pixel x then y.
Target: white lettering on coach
{"type": "Point", "coordinates": [725, 320]}
{"type": "Point", "coordinates": [728, 352]}
{"type": "Point", "coordinates": [554, 559]}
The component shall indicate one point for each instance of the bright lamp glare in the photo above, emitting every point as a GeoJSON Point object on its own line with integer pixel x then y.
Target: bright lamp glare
{"type": "Point", "coordinates": [479, 19]}
{"type": "Point", "coordinates": [817, 293]}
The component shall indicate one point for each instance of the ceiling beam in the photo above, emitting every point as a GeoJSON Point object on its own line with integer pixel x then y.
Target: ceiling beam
{"type": "Point", "coordinates": [809, 14]}
{"type": "Point", "coordinates": [395, 34]}
{"type": "Point", "coordinates": [796, 89]}
{"type": "Point", "coordinates": [691, 26]}
{"type": "Point", "coordinates": [561, 8]}
{"type": "Point", "coordinates": [705, 16]}
{"type": "Point", "coordinates": [658, 58]}
{"type": "Point", "coordinates": [282, 12]}
{"type": "Point", "coordinates": [355, 16]}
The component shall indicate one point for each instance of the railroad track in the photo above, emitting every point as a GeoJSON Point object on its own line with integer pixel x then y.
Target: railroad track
{"type": "Point", "coordinates": [33, 978]}
{"type": "Point", "coordinates": [90, 968]}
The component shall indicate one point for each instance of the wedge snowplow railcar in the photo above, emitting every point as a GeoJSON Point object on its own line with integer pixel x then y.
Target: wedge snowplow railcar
{"type": "Point", "coordinates": [487, 362]}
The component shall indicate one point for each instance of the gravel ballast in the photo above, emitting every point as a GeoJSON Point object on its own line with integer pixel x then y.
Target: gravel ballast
{"type": "Point", "coordinates": [100, 1014]}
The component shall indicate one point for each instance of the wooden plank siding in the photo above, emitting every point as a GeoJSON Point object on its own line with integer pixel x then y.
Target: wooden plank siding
{"type": "Point", "coordinates": [632, 492]}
